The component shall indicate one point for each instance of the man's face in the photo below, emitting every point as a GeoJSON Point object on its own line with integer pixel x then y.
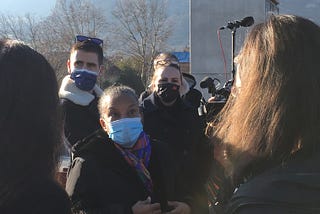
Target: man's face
{"type": "Point", "coordinates": [83, 60]}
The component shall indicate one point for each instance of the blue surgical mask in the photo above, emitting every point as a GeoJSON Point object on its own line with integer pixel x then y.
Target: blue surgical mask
{"type": "Point", "coordinates": [84, 79]}
{"type": "Point", "coordinates": [125, 132]}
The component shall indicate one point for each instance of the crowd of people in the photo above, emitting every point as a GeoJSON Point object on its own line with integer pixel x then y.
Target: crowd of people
{"type": "Point", "coordinates": [155, 153]}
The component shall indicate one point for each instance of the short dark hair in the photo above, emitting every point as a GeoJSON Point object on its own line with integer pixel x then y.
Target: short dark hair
{"type": "Point", "coordinates": [30, 122]}
{"type": "Point", "coordinates": [89, 46]}
{"type": "Point", "coordinates": [114, 91]}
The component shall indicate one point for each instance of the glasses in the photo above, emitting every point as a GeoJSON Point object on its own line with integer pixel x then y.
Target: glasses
{"type": "Point", "coordinates": [97, 41]}
{"type": "Point", "coordinates": [166, 62]}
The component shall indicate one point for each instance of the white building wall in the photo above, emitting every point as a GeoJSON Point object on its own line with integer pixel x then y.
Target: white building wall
{"type": "Point", "coordinates": [206, 17]}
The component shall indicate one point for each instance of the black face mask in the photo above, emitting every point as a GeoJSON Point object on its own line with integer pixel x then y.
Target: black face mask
{"type": "Point", "coordinates": [168, 92]}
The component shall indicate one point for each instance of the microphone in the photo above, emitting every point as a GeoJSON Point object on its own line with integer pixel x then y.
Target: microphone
{"type": "Point", "coordinates": [245, 22]}
{"type": "Point", "coordinates": [206, 82]}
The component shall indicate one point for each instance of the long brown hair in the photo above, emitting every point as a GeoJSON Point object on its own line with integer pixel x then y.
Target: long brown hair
{"type": "Point", "coordinates": [277, 111]}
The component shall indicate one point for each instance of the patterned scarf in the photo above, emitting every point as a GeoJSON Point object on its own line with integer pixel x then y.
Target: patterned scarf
{"type": "Point", "coordinates": [138, 157]}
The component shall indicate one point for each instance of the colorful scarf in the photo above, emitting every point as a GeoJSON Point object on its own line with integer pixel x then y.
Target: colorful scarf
{"type": "Point", "coordinates": [138, 157]}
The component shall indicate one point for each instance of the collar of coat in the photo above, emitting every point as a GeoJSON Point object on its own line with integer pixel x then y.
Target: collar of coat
{"type": "Point", "coordinates": [69, 90]}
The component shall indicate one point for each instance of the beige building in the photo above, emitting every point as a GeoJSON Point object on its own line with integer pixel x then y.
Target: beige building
{"type": "Point", "coordinates": [206, 17]}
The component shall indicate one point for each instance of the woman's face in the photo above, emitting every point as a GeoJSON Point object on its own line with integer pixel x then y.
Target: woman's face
{"type": "Point", "coordinates": [167, 75]}
{"type": "Point", "coordinates": [120, 107]}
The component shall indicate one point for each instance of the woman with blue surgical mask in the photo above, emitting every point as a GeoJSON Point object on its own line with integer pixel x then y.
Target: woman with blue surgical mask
{"type": "Point", "coordinates": [119, 169]}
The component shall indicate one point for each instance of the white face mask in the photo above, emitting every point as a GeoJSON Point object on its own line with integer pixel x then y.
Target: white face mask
{"type": "Point", "coordinates": [126, 131]}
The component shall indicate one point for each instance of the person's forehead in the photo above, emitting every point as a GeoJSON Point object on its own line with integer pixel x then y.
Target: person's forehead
{"type": "Point", "coordinates": [80, 55]}
{"type": "Point", "coordinates": [121, 100]}
{"type": "Point", "coordinates": [169, 72]}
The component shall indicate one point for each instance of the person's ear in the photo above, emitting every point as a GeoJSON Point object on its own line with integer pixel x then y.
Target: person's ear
{"type": "Point", "coordinates": [102, 69]}
{"type": "Point", "coordinates": [234, 91]}
{"type": "Point", "coordinates": [103, 125]}
{"type": "Point", "coordinates": [68, 66]}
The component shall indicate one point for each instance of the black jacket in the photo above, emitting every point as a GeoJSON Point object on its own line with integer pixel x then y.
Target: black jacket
{"type": "Point", "coordinates": [181, 127]}
{"type": "Point", "coordinates": [101, 181]}
{"type": "Point", "coordinates": [37, 195]}
{"type": "Point", "coordinates": [291, 188]}
{"type": "Point", "coordinates": [81, 115]}
{"type": "Point", "coordinates": [80, 121]}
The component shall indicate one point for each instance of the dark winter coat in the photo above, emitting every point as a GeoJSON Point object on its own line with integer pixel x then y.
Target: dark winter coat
{"type": "Point", "coordinates": [81, 115]}
{"type": "Point", "coordinates": [80, 121]}
{"type": "Point", "coordinates": [290, 188]}
{"type": "Point", "coordinates": [181, 127]}
{"type": "Point", "coordinates": [36, 196]}
{"type": "Point", "coordinates": [101, 181]}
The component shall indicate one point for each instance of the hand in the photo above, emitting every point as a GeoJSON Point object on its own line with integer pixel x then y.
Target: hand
{"type": "Point", "coordinates": [145, 207]}
{"type": "Point", "coordinates": [179, 207]}
{"type": "Point", "coordinates": [211, 99]}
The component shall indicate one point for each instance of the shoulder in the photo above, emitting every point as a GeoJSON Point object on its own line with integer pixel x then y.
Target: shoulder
{"type": "Point", "coordinates": [283, 188]}
{"type": "Point", "coordinates": [47, 196]}
{"type": "Point", "coordinates": [148, 104]}
{"type": "Point", "coordinates": [69, 106]}
{"type": "Point", "coordinates": [94, 142]}
{"type": "Point", "coordinates": [57, 200]}
{"type": "Point", "coordinates": [64, 102]}
{"type": "Point", "coordinates": [143, 95]}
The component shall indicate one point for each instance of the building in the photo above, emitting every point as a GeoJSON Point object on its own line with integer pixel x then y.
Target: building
{"type": "Point", "coordinates": [184, 60]}
{"type": "Point", "coordinates": [206, 17]}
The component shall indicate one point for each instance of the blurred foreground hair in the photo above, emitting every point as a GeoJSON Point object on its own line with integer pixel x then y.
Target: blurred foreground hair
{"type": "Point", "coordinates": [277, 111]}
{"type": "Point", "coordinates": [30, 125]}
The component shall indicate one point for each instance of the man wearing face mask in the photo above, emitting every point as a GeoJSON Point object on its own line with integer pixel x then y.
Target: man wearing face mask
{"type": "Point", "coordinates": [79, 93]}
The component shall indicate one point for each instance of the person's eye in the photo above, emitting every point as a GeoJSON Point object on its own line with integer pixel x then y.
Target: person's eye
{"type": "Point", "coordinates": [163, 80]}
{"type": "Point", "coordinates": [78, 64]}
{"type": "Point", "coordinates": [92, 66]}
{"type": "Point", "coordinates": [133, 112]}
{"type": "Point", "coordinates": [113, 115]}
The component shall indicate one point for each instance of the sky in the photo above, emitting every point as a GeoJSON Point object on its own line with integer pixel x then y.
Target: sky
{"type": "Point", "coordinates": [307, 8]}
{"type": "Point", "coordinates": [21, 7]}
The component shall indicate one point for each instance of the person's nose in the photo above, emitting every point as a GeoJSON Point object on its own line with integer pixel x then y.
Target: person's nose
{"type": "Point", "coordinates": [85, 67]}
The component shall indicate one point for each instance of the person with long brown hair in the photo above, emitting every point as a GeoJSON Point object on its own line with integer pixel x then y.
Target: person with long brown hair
{"type": "Point", "coordinates": [269, 128]}
{"type": "Point", "coordinates": [30, 133]}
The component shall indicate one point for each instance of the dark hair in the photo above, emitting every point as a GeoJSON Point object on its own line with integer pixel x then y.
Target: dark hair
{"type": "Point", "coordinates": [30, 125]}
{"type": "Point", "coordinates": [89, 46]}
{"type": "Point", "coordinates": [116, 91]}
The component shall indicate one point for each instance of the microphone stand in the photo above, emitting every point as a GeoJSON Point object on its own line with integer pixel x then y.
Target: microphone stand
{"type": "Point", "coordinates": [233, 41]}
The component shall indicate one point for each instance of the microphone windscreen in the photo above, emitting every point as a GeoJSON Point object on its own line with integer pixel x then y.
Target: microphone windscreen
{"type": "Point", "coordinates": [247, 21]}
{"type": "Point", "coordinates": [205, 82]}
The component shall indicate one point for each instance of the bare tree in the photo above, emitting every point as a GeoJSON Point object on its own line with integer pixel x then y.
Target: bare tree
{"type": "Point", "coordinates": [142, 29]}
{"type": "Point", "coordinates": [19, 27]}
{"type": "Point", "coordinates": [67, 19]}
{"type": "Point", "coordinates": [53, 35]}
{"type": "Point", "coordinates": [72, 17]}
